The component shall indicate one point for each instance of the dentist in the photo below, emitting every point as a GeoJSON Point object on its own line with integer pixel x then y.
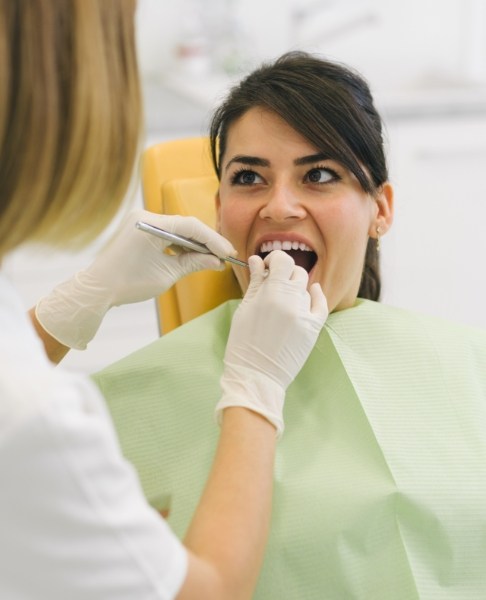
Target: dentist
{"type": "Point", "coordinates": [73, 521]}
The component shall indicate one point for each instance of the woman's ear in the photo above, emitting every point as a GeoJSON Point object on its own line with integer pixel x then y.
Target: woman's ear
{"type": "Point", "coordinates": [384, 211]}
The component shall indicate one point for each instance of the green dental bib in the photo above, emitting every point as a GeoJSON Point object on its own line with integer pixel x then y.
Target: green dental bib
{"type": "Point", "coordinates": [380, 477]}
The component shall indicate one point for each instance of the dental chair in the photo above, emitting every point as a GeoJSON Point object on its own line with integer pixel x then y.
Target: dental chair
{"type": "Point", "coordinates": [178, 178]}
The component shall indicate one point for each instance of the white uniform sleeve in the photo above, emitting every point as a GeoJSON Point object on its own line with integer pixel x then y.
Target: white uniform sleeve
{"type": "Point", "coordinates": [73, 520]}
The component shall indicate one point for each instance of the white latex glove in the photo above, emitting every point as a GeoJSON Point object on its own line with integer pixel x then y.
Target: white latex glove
{"type": "Point", "coordinates": [131, 268]}
{"type": "Point", "coordinates": [272, 333]}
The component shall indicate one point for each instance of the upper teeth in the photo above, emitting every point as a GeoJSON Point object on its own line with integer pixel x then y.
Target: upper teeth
{"type": "Point", "coordinates": [286, 245]}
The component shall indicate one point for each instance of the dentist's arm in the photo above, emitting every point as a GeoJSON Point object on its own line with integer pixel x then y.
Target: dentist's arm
{"type": "Point", "coordinates": [133, 267]}
{"type": "Point", "coordinates": [273, 331]}
{"type": "Point", "coordinates": [91, 502]}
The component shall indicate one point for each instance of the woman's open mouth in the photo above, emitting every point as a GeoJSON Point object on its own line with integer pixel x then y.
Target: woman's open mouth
{"type": "Point", "coordinates": [303, 255]}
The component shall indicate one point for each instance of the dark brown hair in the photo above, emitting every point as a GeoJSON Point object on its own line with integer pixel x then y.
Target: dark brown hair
{"type": "Point", "coordinates": [328, 104]}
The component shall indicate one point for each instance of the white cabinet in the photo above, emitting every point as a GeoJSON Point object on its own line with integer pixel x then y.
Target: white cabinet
{"type": "Point", "coordinates": [433, 259]}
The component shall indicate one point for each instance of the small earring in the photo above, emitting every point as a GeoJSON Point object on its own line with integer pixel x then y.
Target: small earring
{"type": "Point", "coordinates": [378, 231]}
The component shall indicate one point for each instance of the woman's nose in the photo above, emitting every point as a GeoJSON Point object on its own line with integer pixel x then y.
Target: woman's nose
{"type": "Point", "coordinates": [282, 204]}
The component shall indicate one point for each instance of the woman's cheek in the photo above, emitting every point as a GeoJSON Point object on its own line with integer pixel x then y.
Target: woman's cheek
{"type": "Point", "coordinates": [233, 228]}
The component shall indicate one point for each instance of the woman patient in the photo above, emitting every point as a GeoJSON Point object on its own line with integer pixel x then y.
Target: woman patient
{"type": "Point", "coordinates": [380, 480]}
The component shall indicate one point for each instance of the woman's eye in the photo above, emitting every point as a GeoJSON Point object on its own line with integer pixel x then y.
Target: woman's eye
{"type": "Point", "coordinates": [246, 178]}
{"type": "Point", "coordinates": [321, 175]}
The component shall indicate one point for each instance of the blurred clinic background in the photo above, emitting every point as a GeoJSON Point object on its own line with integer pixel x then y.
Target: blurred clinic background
{"type": "Point", "coordinates": [426, 63]}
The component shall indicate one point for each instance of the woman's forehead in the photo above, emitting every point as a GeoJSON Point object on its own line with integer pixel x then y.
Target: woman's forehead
{"type": "Point", "coordinates": [260, 131]}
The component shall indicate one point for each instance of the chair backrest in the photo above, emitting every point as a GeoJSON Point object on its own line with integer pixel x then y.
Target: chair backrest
{"type": "Point", "coordinates": [178, 178]}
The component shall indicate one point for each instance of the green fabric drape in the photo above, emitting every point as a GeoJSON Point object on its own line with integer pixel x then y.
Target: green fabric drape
{"type": "Point", "coordinates": [380, 477]}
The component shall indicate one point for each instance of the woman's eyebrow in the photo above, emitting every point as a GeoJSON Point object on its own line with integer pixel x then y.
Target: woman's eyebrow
{"type": "Point", "coordinates": [251, 161]}
{"type": "Point", "coordinates": [312, 158]}
{"type": "Point", "coordinates": [256, 161]}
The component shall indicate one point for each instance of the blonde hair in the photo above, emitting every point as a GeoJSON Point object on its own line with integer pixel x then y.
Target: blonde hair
{"type": "Point", "coordinates": [70, 117]}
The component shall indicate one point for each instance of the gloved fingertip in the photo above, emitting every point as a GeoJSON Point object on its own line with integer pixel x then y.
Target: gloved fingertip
{"type": "Point", "coordinates": [300, 274]}
{"type": "Point", "coordinates": [279, 264]}
{"type": "Point", "coordinates": [219, 267]}
{"type": "Point", "coordinates": [193, 261]}
{"type": "Point", "coordinates": [318, 301]}
{"type": "Point", "coordinates": [221, 249]}
{"type": "Point", "coordinates": [215, 263]}
{"type": "Point", "coordinates": [230, 251]}
{"type": "Point", "coordinates": [256, 265]}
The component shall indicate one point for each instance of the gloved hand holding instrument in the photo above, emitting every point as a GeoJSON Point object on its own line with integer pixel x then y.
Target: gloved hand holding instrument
{"type": "Point", "coordinates": [133, 267]}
